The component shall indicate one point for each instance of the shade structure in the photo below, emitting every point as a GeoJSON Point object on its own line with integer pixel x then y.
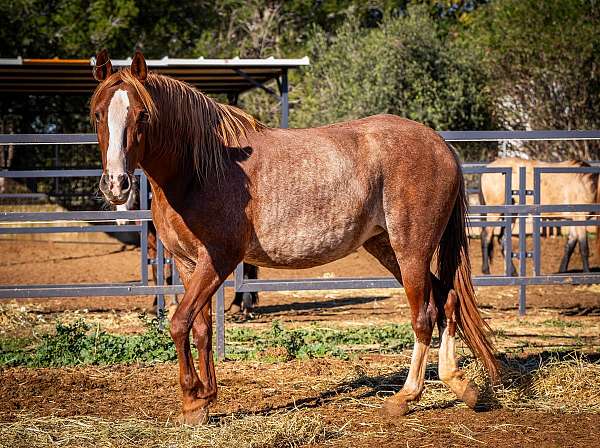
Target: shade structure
{"type": "Point", "coordinates": [74, 76]}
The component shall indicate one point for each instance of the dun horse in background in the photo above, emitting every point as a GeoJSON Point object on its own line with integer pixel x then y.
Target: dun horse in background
{"type": "Point", "coordinates": [556, 188]}
{"type": "Point", "coordinates": [229, 189]}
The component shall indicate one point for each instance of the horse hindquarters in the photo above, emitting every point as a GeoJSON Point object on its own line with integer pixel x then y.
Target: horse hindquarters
{"type": "Point", "coordinates": [411, 242]}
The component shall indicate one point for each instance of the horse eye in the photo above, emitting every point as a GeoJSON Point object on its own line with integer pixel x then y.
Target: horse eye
{"type": "Point", "coordinates": [97, 115]}
{"type": "Point", "coordinates": [143, 117]}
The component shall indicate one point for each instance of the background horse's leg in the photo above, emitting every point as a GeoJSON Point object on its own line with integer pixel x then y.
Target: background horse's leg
{"type": "Point", "coordinates": [245, 301]}
{"type": "Point", "coordinates": [199, 288]}
{"type": "Point", "coordinates": [487, 248]}
{"type": "Point", "coordinates": [569, 248]}
{"type": "Point", "coordinates": [583, 247]}
{"type": "Point", "coordinates": [501, 243]}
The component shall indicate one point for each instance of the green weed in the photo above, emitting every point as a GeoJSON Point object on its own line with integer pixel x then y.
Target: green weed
{"type": "Point", "coordinates": [79, 343]}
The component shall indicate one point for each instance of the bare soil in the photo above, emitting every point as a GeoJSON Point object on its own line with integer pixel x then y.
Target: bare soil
{"type": "Point", "coordinates": [324, 386]}
{"type": "Point", "coordinates": [558, 316]}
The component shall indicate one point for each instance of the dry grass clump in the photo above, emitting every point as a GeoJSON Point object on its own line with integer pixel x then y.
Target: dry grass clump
{"type": "Point", "coordinates": [292, 429]}
{"type": "Point", "coordinates": [16, 319]}
{"type": "Point", "coordinates": [557, 384]}
{"type": "Point", "coordinates": [568, 384]}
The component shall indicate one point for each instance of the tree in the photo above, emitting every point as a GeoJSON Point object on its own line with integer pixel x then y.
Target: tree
{"type": "Point", "coordinates": [405, 67]}
{"type": "Point", "coordinates": [543, 64]}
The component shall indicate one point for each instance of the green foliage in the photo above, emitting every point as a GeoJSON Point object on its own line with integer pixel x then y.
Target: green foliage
{"type": "Point", "coordinates": [560, 323]}
{"type": "Point", "coordinates": [405, 67]}
{"type": "Point", "coordinates": [452, 64]}
{"type": "Point", "coordinates": [316, 341]}
{"type": "Point", "coordinates": [77, 343]}
{"type": "Point", "coordinates": [542, 61]}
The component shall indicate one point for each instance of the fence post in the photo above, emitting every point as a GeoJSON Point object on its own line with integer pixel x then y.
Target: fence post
{"type": "Point", "coordinates": [220, 318]}
{"type": "Point", "coordinates": [144, 230]}
{"type": "Point", "coordinates": [508, 264]}
{"type": "Point", "coordinates": [160, 277]}
{"type": "Point", "coordinates": [522, 240]}
{"type": "Point", "coordinates": [537, 221]}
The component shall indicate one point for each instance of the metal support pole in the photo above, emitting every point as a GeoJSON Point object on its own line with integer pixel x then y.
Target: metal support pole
{"type": "Point", "coordinates": [522, 240]}
{"type": "Point", "coordinates": [507, 223]}
{"type": "Point", "coordinates": [160, 277]}
{"type": "Point", "coordinates": [144, 232]}
{"type": "Point", "coordinates": [220, 318]}
{"type": "Point", "coordinates": [537, 220]}
{"type": "Point", "coordinates": [284, 99]}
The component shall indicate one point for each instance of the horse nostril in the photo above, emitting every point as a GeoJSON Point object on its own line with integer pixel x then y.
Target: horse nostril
{"type": "Point", "coordinates": [124, 182]}
{"type": "Point", "coordinates": [103, 181]}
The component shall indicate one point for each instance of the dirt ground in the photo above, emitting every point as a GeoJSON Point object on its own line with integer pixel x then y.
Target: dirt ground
{"type": "Point", "coordinates": [557, 317]}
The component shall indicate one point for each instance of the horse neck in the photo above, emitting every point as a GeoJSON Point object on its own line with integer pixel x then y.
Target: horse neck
{"type": "Point", "coordinates": [167, 175]}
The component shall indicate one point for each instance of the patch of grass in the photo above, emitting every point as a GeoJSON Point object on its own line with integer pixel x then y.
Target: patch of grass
{"type": "Point", "coordinates": [560, 323]}
{"type": "Point", "coordinates": [78, 343]}
{"type": "Point", "coordinates": [290, 429]}
{"type": "Point", "coordinates": [315, 341]}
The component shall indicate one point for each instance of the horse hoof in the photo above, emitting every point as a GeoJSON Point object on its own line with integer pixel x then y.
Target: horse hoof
{"type": "Point", "coordinates": [394, 408]}
{"type": "Point", "coordinates": [470, 395]}
{"type": "Point", "coordinates": [196, 417]}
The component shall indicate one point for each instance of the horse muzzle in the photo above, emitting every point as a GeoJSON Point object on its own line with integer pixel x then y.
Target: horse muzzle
{"type": "Point", "coordinates": [116, 187]}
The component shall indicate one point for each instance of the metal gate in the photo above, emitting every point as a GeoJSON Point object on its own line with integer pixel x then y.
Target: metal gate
{"type": "Point", "coordinates": [105, 222]}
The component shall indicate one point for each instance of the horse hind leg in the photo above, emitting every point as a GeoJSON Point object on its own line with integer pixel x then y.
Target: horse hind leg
{"type": "Point", "coordinates": [583, 248]}
{"type": "Point", "coordinates": [487, 247]}
{"type": "Point", "coordinates": [417, 285]}
{"type": "Point", "coordinates": [569, 248]}
{"type": "Point", "coordinates": [448, 369]}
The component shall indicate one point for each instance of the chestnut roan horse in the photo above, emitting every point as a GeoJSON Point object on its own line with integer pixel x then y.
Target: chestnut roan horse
{"type": "Point", "coordinates": [227, 188]}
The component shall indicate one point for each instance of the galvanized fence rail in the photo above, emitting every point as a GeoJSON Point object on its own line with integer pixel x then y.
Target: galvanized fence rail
{"type": "Point", "coordinates": [105, 221]}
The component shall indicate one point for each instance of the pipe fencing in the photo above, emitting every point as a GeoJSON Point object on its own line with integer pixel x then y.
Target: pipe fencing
{"type": "Point", "coordinates": [105, 221]}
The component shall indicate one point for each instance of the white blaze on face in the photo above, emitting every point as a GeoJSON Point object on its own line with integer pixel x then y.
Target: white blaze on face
{"type": "Point", "coordinates": [117, 118]}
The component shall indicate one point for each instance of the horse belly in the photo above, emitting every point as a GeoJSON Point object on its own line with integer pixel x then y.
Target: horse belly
{"type": "Point", "coordinates": [302, 233]}
{"type": "Point", "coordinates": [314, 245]}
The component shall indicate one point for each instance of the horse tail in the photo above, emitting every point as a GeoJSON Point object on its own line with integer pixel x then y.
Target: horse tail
{"type": "Point", "coordinates": [454, 269]}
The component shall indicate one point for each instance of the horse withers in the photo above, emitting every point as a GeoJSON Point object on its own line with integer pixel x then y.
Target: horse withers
{"type": "Point", "coordinates": [229, 189]}
{"type": "Point", "coordinates": [555, 189]}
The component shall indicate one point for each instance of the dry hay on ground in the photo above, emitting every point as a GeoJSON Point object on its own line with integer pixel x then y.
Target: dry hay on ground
{"type": "Point", "coordinates": [289, 429]}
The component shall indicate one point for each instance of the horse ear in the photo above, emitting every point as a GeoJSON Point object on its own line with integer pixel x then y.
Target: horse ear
{"type": "Point", "coordinates": [103, 67]}
{"type": "Point", "coordinates": [138, 66]}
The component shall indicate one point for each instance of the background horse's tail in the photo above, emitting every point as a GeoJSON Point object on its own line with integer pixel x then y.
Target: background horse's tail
{"type": "Point", "coordinates": [454, 270]}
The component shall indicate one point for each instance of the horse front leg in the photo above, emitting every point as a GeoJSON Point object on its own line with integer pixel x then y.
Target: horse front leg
{"type": "Point", "coordinates": [198, 392]}
{"type": "Point", "coordinates": [202, 332]}
{"type": "Point", "coordinates": [487, 241]}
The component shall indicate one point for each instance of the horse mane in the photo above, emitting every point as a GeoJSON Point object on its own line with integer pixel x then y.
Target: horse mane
{"type": "Point", "coordinates": [185, 122]}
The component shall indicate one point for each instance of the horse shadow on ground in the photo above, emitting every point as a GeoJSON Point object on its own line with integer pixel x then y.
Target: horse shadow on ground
{"type": "Point", "coordinates": [517, 372]}
{"type": "Point", "coordinates": [593, 269]}
{"type": "Point", "coordinates": [318, 305]}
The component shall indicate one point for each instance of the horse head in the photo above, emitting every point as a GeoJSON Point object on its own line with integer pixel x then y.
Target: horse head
{"type": "Point", "coordinates": [121, 109]}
